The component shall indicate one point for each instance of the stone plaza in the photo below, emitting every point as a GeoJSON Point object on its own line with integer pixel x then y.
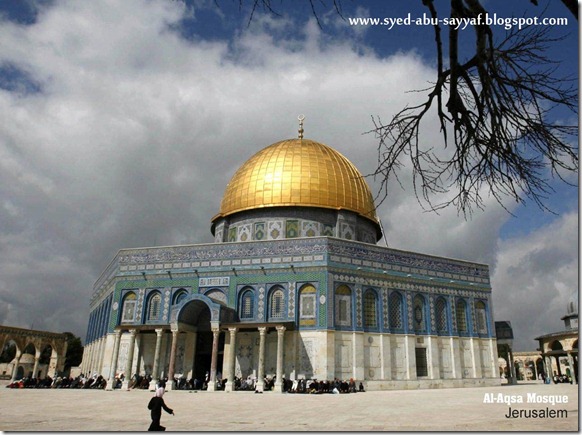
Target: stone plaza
{"type": "Point", "coordinates": [453, 409]}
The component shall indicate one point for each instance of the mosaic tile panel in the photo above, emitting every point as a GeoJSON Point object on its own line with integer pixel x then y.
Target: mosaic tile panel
{"type": "Point", "coordinates": [291, 299]}
{"type": "Point", "coordinates": [232, 231]}
{"type": "Point", "coordinates": [244, 233]}
{"type": "Point", "coordinates": [291, 228]}
{"type": "Point", "coordinates": [275, 230]}
{"type": "Point", "coordinates": [358, 306]}
{"type": "Point", "coordinates": [260, 231]}
{"type": "Point", "coordinates": [310, 229]}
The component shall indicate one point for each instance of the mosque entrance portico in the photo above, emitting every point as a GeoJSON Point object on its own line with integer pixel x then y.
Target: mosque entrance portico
{"type": "Point", "coordinates": [251, 362]}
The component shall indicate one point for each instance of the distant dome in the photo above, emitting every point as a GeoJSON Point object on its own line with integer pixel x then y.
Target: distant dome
{"type": "Point", "coordinates": [298, 173]}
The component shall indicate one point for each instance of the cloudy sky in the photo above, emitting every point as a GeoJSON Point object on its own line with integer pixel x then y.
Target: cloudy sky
{"type": "Point", "coordinates": [122, 122]}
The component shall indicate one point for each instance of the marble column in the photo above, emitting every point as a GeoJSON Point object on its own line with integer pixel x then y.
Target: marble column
{"type": "Point", "coordinates": [129, 364]}
{"type": "Point", "coordinates": [280, 342]}
{"type": "Point", "coordinates": [571, 365]}
{"type": "Point", "coordinates": [261, 372]}
{"type": "Point", "coordinates": [35, 368]}
{"type": "Point", "coordinates": [155, 369]}
{"type": "Point", "coordinates": [114, 357]}
{"type": "Point", "coordinates": [231, 359]}
{"type": "Point", "coordinates": [214, 359]}
{"type": "Point", "coordinates": [170, 383]}
{"type": "Point", "coordinates": [15, 367]}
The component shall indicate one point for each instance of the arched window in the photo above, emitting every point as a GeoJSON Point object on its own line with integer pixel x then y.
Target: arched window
{"type": "Point", "coordinates": [307, 305]}
{"type": "Point", "coordinates": [481, 317]}
{"type": "Point", "coordinates": [247, 304]}
{"type": "Point", "coordinates": [128, 311]}
{"type": "Point", "coordinates": [154, 304]}
{"type": "Point", "coordinates": [370, 313]}
{"type": "Point", "coordinates": [461, 313]}
{"type": "Point", "coordinates": [441, 315]}
{"type": "Point", "coordinates": [179, 296]}
{"type": "Point", "coordinates": [418, 314]}
{"type": "Point", "coordinates": [277, 304]}
{"type": "Point", "coordinates": [343, 306]}
{"type": "Point", "coordinates": [395, 304]}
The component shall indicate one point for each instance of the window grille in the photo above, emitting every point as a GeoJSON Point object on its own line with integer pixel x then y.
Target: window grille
{"type": "Point", "coordinates": [396, 311]}
{"type": "Point", "coordinates": [370, 320]}
{"type": "Point", "coordinates": [481, 315]}
{"type": "Point", "coordinates": [277, 304]}
{"type": "Point", "coordinates": [461, 316]}
{"type": "Point", "coordinates": [247, 308]}
{"type": "Point", "coordinates": [441, 315]}
{"type": "Point", "coordinates": [154, 307]}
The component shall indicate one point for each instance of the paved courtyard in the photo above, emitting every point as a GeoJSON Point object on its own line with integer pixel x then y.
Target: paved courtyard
{"type": "Point", "coordinates": [415, 410]}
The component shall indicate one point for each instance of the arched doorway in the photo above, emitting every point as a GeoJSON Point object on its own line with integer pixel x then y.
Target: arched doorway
{"type": "Point", "coordinates": [195, 318]}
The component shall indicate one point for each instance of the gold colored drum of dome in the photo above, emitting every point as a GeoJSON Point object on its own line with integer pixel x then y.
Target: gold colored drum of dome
{"type": "Point", "coordinates": [298, 172]}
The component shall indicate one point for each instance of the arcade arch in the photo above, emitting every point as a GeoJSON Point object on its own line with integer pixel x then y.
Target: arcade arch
{"type": "Point", "coordinates": [29, 347]}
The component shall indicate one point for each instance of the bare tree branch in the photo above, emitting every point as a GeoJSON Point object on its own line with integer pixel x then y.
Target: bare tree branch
{"type": "Point", "coordinates": [497, 113]}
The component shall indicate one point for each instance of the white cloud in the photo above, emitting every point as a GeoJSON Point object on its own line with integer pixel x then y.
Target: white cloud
{"type": "Point", "coordinates": [535, 277]}
{"type": "Point", "coordinates": [136, 132]}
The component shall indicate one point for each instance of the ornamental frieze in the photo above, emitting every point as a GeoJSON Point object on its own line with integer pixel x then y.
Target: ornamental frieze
{"type": "Point", "coordinates": [408, 259]}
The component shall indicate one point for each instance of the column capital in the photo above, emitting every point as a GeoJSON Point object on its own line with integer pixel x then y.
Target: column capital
{"type": "Point", "coordinates": [215, 330]}
{"type": "Point", "coordinates": [233, 330]}
{"type": "Point", "coordinates": [117, 333]}
{"type": "Point", "coordinates": [159, 331]}
{"type": "Point", "coordinates": [280, 329]}
{"type": "Point", "coordinates": [262, 330]}
{"type": "Point", "coordinates": [133, 331]}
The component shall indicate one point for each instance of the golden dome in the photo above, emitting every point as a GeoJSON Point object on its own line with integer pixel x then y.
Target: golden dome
{"type": "Point", "coordinates": [298, 172]}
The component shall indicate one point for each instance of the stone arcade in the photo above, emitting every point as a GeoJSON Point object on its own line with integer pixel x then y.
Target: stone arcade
{"type": "Point", "coordinates": [294, 286]}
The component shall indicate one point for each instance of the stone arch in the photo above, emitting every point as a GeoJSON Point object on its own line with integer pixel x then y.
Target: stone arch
{"type": "Point", "coordinates": [185, 312]}
{"type": "Point", "coordinates": [32, 342]}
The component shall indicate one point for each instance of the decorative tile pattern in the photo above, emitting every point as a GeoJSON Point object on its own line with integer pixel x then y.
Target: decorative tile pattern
{"type": "Point", "coordinates": [259, 232]}
{"type": "Point", "coordinates": [244, 233]}
{"type": "Point", "coordinates": [291, 228]}
{"type": "Point", "coordinates": [232, 234]}
{"type": "Point", "coordinates": [310, 229]}
{"type": "Point", "coordinates": [275, 230]}
{"type": "Point", "coordinates": [291, 299]}
{"type": "Point", "coordinates": [358, 308]}
{"type": "Point", "coordinates": [261, 309]}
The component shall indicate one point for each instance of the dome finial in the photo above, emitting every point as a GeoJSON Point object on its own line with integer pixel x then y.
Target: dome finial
{"type": "Point", "coordinates": [301, 118]}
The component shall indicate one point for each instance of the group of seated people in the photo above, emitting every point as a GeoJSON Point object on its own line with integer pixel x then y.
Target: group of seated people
{"type": "Point", "coordinates": [561, 379]}
{"type": "Point", "coordinates": [313, 386]}
{"type": "Point", "coordinates": [81, 381]}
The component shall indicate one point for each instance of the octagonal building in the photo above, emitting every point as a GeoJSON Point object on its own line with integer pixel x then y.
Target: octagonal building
{"type": "Point", "coordinates": [293, 288]}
